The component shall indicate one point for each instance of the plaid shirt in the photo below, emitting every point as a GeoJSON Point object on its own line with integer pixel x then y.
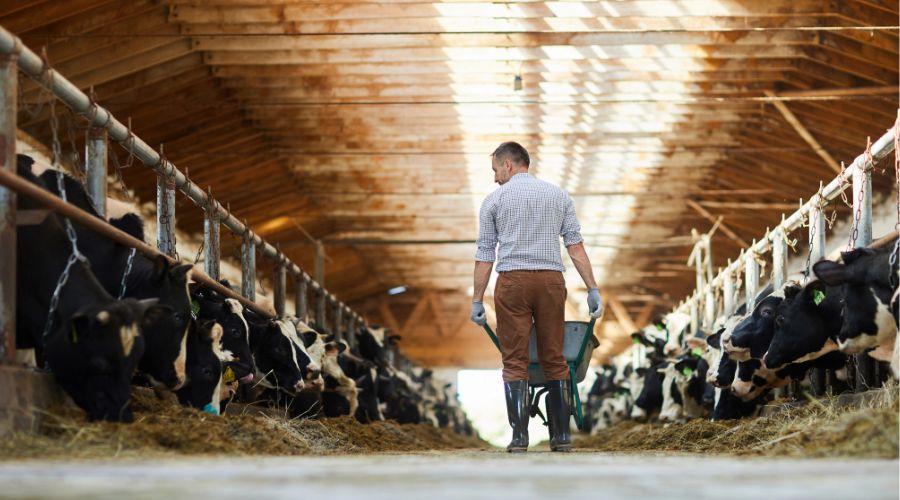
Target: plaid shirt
{"type": "Point", "coordinates": [526, 217]}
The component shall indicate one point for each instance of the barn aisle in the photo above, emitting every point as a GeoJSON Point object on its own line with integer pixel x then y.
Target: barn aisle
{"type": "Point", "coordinates": [455, 475]}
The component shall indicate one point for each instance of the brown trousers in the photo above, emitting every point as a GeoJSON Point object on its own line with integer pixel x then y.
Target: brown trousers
{"type": "Point", "coordinates": [523, 297]}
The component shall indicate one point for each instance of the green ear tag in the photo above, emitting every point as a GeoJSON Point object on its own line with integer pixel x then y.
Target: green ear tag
{"type": "Point", "coordinates": [659, 327]}
{"type": "Point", "coordinates": [818, 297]}
{"type": "Point", "coordinates": [697, 352]}
{"type": "Point", "coordinates": [195, 307]}
{"type": "Point", "coordinates": [635, 341]}
{"type": "Point", "coordinates": [687, 371]}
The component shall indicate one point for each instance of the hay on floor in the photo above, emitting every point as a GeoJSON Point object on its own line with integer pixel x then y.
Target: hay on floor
{"type": "Point", "coordinates": [819, 428]}
{"type": "Point", "coordinates": [161, 428]}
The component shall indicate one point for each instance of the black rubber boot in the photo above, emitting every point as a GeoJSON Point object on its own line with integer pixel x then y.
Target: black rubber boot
{"type": "Point", "coordinates": [558, 404]}
{"type": "Point", "coordinates": [517, 411]}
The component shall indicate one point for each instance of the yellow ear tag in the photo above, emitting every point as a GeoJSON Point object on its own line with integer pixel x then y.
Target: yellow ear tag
{"type": "Point", "coordinates": [228, 376]}
{"type": "Point", "coordinates": [818, 297]}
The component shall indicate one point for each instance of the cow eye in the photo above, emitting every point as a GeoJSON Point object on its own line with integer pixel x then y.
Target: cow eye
{"type": "Point", "coordinates": [765, 313]}
{"type": "Point", "coordinates": [779, 321]}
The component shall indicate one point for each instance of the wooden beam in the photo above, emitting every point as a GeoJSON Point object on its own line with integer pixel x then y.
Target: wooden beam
{"type": "Point", "coordinates": [644, 316]}
{"type": "Point", "coordinates": [748, 206]}
{"type": "Point", "coordinates": [804, 133]}
{"type": "Point", "coordinates": [621, 314]}
{"type": "Point", "coordinates": [722, 226]}
{"type": "Point", "coordinates": [388, 316]}
{"type": "Point", "coordinates": [442, 324]}
{"type": "Point", "coordinates": [859, 91]}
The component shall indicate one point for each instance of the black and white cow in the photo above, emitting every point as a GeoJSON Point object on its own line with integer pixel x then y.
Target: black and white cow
{"type": "Point", "coordinates": [274, 354]}
{"type": "Point", "coordinates": [229, 313]}
{"type": "Point", "coordinates": [205, 360]}
{"type": "Point", "coordinates": [165, 326]}
{"type": "Point", "coordinates": [806, 325]}
{"type": "Point", "coordinates": [870, 312]}
{"type": "Point", "coordinates": [95, 341]}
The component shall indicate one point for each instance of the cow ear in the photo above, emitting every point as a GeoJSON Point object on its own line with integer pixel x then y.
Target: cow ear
{"type": "Point", "coordinates": [715, 340]}
{"type": "Point", "coordinates": [181, 271]}
{"type": "Point", "coordinates": [395, 338]}
{"type": "Point", "coordinates": [856, 253]}
{"type": "Point", "coordinates": [791, 291]}
{"type": "Point", "coordinates": [831, 273]}
{"type": "Point", "coordinates": [309, 337]}
{"type": "Point", "coordinates": [641, 371]}
{"type": "Point", "coordinates": [342, 346]}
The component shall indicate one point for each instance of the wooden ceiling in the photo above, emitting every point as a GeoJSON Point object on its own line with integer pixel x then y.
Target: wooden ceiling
{"type": "Point", "coordinates": [369, 124]}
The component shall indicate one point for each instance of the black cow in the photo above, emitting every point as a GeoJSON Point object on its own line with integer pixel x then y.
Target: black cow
{"type": "Point", "coordinates": [228, 313]}
{"type": "Point", "coordinates": [650, 399]}
{"type": "Point", "coordinates": [806, 324]}
{"type": "Point", "coordinates": [94, 344]}
{"type": "Point", "coordinates": [205, 356]}
{"type": "Point", "coordinates": [165, 325]}
{"type": "Point", "coordinates": [870, 282]}
{"type": "Point", "coordinates": [274, 354]}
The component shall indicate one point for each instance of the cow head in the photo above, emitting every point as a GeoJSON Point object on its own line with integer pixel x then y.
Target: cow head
{"type": "Point", "coordinates": [229, 313]}
{"type": "Point", "coordinates": [205, 358]}
{"type": "Point", "coordinates": [165, 326]}
{"type": "Point", "coordinates": [805, 325]}
{"type": "Point", "coordinates": [93, 356]}
{"type": "Point", "coordinates": [751, 337]}
{"type": "Point", "coordinates": [869, 315]}
{"type": "Point", "coordinates": [275, 353]}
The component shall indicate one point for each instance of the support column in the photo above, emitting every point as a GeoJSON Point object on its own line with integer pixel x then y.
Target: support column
{"type": "Point", "coordinates": [351, 328]}
{"type": "Point", "coordinates": [866, 377]}
{"type": "Point", "coordinates": [695, 315]}
{"type": "Point", "coordinates": [300, 297]}
{"type": "Point", "coordinates": [728, 305]}
{"type": "Point", "coordinates": [320, 307]}
{"type": "Point", "coordinates": [280, 289]}
{"type": "Point", "coordinates": [779, 258]}
{"type": "Point", "coordinates": [818, 377]}
{"type": "Point", "coordinates": [751, 279]}
{"type": "Point", "coordinates": [338, 320]}
{"type": "Point", "coordinates": [211, 239]}
{"type": "Point", "coordinates": [95, 164]}
{"type": "Point", "coordinates": [248, 267]}
{"type": "Point", "coordinates": [8, 100]}
{"type": "Point", "coordinates": [165, 215]}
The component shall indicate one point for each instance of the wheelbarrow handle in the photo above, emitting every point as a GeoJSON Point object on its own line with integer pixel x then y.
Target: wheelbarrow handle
{"type": "Point", "coordinates": [496, 341]}
{"type": "Point", "coordinates": [492, 335]}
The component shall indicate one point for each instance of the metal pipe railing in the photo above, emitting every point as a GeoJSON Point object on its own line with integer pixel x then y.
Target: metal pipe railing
{"type": "Point", "coordinates": [879, 150]}
{"type": "Point", "coordinates": [32, 65]}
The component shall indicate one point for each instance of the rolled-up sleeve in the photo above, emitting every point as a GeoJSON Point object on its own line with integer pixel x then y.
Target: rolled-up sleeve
{"type": "Point", "coordinates": [571, 229]}
{"type": "Point", "coordinates": [487, 233]}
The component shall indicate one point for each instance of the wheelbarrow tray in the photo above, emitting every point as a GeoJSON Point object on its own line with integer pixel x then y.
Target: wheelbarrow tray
{"type": "Point", "coordinates": [576, 349]}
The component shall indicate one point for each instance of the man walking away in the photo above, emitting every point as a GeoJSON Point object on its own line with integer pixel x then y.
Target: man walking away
{"type": "Point", "coordinates": [520, 225]}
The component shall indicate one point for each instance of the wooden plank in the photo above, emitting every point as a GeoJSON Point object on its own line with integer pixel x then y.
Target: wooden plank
{"type": "Point", "coordinates": [621, 314]}
{"type": "Point", "coordinates": [722, 226]}
{"type": "Point", "coordinates": [804, 133]}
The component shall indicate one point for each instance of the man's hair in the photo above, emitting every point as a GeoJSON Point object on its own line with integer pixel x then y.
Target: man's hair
{"type": "Point", "coordinates": [512, 151]}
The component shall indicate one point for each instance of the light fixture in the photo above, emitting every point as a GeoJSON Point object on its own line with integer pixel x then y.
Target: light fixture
{"type": "Point", "coordinates": [397, 290]}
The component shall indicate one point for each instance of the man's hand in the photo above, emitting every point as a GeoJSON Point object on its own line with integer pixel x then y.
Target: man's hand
{"type": "Point", "coordinates": [478, 315]}
{"type": "Point", "coordinates": [595, 304]}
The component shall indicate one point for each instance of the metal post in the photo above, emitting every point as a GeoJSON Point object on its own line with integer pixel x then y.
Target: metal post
{"type": "Point", "coordinates": [818, 377]}
{"type": "Point", "coordinates": [95, 163]}
{"type": "Point", "coordinates": [861, 237]}
{"type": "Point", "coordinates": [211, 239]}
{"type": "Point", "coordinates": [300, 304]}
{"type": "Point", "coordinates": [728, 292]}
{"type": "Point", "coordinates": [338, 320]}
{"type": "Point", "coordinates": [8, 95]}
{"type": "Point", "coordinates": [280, 289]}
{"type": "Point", "coordinates": [751, 278]}
{"type": "Point", "coordinates": [779, 258]}
{"type": "Point", "coordinates": [320, 307]}
{"type": "Point", "coordinates": [709, 313]}
{"type": "Point", "coordinates": [695, 316]}
{"type": "Point", "coordinates": [351, 328]}
{"type": "Point", "coordinates": [320, 263]}
{"type": "Point", "coordinates": [165, 214]}
{"type": "Point", "coordinates": [248, 267]}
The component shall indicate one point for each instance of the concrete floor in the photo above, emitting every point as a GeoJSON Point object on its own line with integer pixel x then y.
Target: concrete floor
{"type": "Point", "coordinates": [456, 475]}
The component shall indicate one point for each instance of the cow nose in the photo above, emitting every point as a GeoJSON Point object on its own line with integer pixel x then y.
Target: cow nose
{"type": "Point", "coordinates": [246, 379]}
{"type": "Point", "coordinates": [181, 380]}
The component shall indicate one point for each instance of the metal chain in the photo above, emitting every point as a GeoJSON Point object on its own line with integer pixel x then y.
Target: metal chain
{"type": "Point", "coordinates": [857, 215]}
{"type": "Point", "coordinates": [128, 265]}
{"type": "Point", "coordinates": [200, 251]}
{"type": "Point", "coordinates": [77, 168]}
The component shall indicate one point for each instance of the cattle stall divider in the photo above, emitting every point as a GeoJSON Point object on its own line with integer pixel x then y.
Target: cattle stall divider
{"type": "Point", "coordinates": [103, 126]}
{"type": "Point", "coordinates": [857, 175]}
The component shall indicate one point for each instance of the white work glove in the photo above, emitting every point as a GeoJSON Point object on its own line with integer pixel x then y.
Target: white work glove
{"type": "Point", "coordinates": [595, 304]}
{"type": "Point", "coordinates": [478, 315]}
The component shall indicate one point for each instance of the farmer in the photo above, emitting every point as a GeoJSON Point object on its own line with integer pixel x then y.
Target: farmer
{"type": "Point", "coordinates": [526, 217]}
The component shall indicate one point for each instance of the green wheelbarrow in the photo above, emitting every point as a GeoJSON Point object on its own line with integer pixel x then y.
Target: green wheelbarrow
{"type": "Point", "coordinates": [578, 344]}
